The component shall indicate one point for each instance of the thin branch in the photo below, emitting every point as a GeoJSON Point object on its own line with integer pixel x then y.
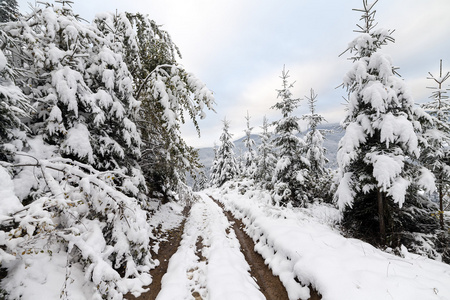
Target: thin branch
{"type": "Point", "coordinates": [138, 93]}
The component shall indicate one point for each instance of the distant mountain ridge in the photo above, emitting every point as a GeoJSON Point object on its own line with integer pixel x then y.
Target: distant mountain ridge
{"type": "Point", "coordinates": [332, 138]}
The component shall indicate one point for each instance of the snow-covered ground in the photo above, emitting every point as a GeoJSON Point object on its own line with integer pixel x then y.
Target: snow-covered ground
{"type": "Point", "coordinates": [304, 245]}
{"type": "Point", "coordinates": [208, 262]}
{"type": "Point", "coordinates": [44, 277]}
{"type": "Point", "coordinates": [299, 245]}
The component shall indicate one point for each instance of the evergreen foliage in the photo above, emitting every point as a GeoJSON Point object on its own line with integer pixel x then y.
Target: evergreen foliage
{"type": "Point", "coordinates": [214, 171]}
{"type": "Point", "coordinates": [266, 160]}
{"type": "Point", "coordinates": [9, 11]}
{"type": "Point", "coordinates": [201, 182]}
{"type": "Point", "coordinates": [290, 172]}
{"type": "Point", "coordinates": [249, 159]}
{"type": "Point", "coordinates": [14, 107]}
{"type": "Point", "coordinates": [80, 88]}
{"type": "Point", "coordinates": [436, 154]}
{"type": "Point", "coordinates": [378, 155]}
{"type": "Point", "coordinates": [318, 177]}
{"type": "Point", "coordinates": [225, 166]}
{"type": "Point", "coordinates": [75, 189]}
{"type": "Point", "coordinates": [80, 162]}
{"type": "Point", "coordinates": [167, 92]}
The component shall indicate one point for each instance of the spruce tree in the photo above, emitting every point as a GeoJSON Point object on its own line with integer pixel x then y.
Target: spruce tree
{"type": "Point", "coordinates": [9, 10]}
{"type": "Point", "coordinates": [14, 107]}
{"type": "Point", "coordinates": [201, 182]}
{"type": "Point", "coordinates": [167, 93]}
{"type": "Point", "coordinates": [213, 171]}
{"type": "Point", "coordinates": [436, 155]}
{"type": "Point", "coordinates": [81, 91]}
{"type": "Point", "coordinates": [290, 172]}
{"type": "Point", "coordinates": [266, 160]}
{"type": "Point", "coordinates": [318, 178]}
{"type": "Point", "coordinates": [74, 178]}
{"type": "Point", "coordinates": [249, 159]}
{"type": "Point", "coordinates": [225, 166]}
{"type": "Point", "coordinates": [378, 154]}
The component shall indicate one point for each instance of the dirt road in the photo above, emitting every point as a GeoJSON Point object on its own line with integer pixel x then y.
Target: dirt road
{"type": "Point", "coordinates": [270, 285]}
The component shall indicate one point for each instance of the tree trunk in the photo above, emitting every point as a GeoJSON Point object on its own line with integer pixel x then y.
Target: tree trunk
{"type": "Point", "coordinates": [381, 197]}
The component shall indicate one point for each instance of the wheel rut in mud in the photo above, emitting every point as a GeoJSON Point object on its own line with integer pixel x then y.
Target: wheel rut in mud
{"type": "Point", "coordinates": [165, 252]}
{"type": "Point", "coordinates": [270, 285]}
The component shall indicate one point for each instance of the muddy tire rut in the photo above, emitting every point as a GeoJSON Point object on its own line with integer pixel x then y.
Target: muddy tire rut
{"type": "Point", "coordinates": [165, 252]}
{"type": "Point", "coordinates": [270, 285]}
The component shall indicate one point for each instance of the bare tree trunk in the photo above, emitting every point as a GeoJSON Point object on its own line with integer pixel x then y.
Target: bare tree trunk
{"type": "Point", "coordinates": [381, 197]}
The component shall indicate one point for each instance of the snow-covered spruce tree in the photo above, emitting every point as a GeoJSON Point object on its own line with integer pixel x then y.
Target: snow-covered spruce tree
{"type": "Point", "coordinates": [318, 178]}
{"type": "Point", "coordinates": [290, 172]}
{"type": "Point", "coordinates": [225, 167]}
{"type": "Point", "coordinates": [266, 161]}
{"type": "Point", "coordinates": [213, 171]}
{"type": "Point", "coordinates": [436, 155]}
{"type": "Point", "coordinates": [167, 92]}
{"type": "Point", "coordinates": [249, 158]}
{"type": "Point", "coordinates": [66, 201]}
{"type": "Point", "coordinates": [14, 107]}
{"type": "Point", "coordinates": [109, 78]}
{"type": "Point", "coordinates": [377, 157]}
{"type": "Point", "coordinates": [201, 182]}
{"type": "Point", "coordinates": [81, 90]}
{"type": "Point", "coordinates": [8, 10]}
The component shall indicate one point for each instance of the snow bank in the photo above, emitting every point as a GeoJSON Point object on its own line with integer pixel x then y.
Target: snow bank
{"type": "Point", "coordinates": [302, 244]}
{"type": "Point", "coordinates": [8, 200]}
{"type": "Point", "coordinates": [48, 277]}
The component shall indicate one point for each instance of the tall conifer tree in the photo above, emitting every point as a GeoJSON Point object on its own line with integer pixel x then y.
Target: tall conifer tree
{"type": "Point", "coordinates": [169, 96]}
{"type": "Point", "coordinates": [436, 155]}
{"type": "Point", "coordinates": [290, 172]}
{"type": "Point", "coordinates": [225, 166]}
{"type": "Point", "coordinates": [318, 178]}
{"type": "Point", "coordinates": [377, 155]}
{"type": "Point", "coordinates": [266, 160]}
{"type": "Point", "coordinates": [249, 159]}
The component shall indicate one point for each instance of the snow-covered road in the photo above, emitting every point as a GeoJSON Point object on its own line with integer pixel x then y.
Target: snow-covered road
{"type": "Point", "coordinates": [208, 264]}
{"type": "Point", "coordinates": [304, 245]}
{"type": "Point", "coordinates": [301, 246]}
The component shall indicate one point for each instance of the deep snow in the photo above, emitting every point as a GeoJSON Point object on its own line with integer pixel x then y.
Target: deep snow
{"type": "Point", "coordinates": [304, 244]}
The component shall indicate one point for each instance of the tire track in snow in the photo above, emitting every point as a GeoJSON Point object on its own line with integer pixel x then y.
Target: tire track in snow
{"type": "Point", "coordinates": [208, 264]}
{"type": "Point", "coordinates": [167, 245]}
{"type": "Point", "coordinates": [276, 260]}
{"type": "Point", "coordinates": [270, 284]}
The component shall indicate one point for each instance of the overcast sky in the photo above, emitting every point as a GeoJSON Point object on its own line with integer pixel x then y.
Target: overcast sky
{"type": "Point", "coordinates": [238, 48]}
